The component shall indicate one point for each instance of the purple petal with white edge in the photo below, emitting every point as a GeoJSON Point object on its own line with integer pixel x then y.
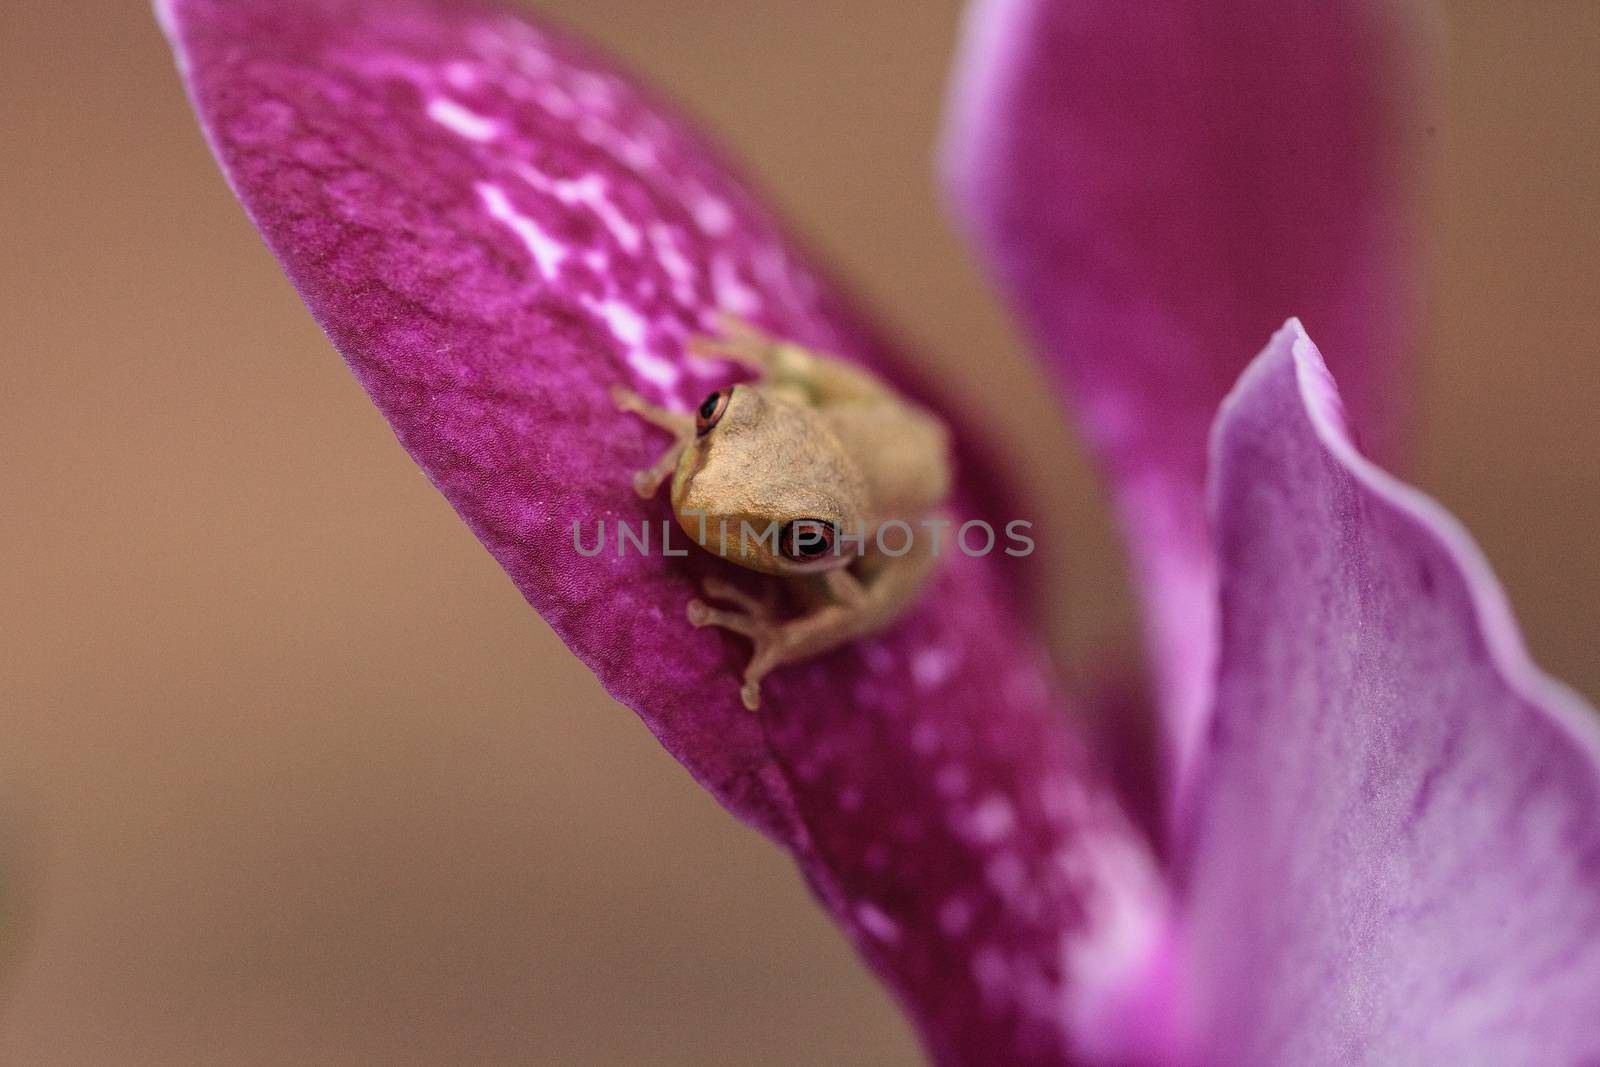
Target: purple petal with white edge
{"type": "Point", "coordinates": [1396, 858]}
{"type": "Point", "coordinates": [495, 227]}
{"type": "Point", "coordinates": [1133, 172]}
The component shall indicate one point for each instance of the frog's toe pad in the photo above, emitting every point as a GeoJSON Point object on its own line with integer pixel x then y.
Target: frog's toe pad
{"type": "Point", "coordinates": [702, 614]}
{"type": "Point", "coordinates": [758, 607]}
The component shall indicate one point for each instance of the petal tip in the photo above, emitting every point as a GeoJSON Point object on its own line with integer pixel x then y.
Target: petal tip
{"type": "Point", "coordinates": [1323, 406]}
{"type": "Point", "coordinates": [1383, 761]}
{"type": "Point", "coordinates": [1319, 393]}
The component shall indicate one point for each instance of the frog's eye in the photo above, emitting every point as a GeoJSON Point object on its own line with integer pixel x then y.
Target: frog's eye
{"type": "Point", "coordinates": [806, 540]}
{"type": "Point", "coordinates": [710, 411]}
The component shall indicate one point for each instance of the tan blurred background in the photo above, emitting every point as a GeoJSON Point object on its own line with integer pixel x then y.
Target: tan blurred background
{"type": "Point", "coordinates": [288, 771]}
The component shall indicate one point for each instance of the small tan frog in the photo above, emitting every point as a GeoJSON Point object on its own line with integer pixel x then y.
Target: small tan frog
{"type": "Point", "coordinates": [794, 475]}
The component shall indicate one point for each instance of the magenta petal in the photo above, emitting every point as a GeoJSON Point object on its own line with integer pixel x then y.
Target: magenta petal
{"type": "Point", "coordinates": [1397, 854]}
{"type": "Point", "coordinates": [1134, 172]}
{"type": "Point", "coordinates": [495, 227]}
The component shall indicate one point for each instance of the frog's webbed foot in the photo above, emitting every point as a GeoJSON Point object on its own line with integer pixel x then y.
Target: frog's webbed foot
{"type": "Point", "coordinates": [756, 619]}
{"type": "Point", "coordinates": [677, 423]}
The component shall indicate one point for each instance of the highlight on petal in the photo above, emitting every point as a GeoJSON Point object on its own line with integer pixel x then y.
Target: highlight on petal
{"type": "Point", "coordinates": [495, 227]}
{"type": "Point", "coordinates": [1134, 174]}
{"type": "Point", "coordinates": [1396, 855]}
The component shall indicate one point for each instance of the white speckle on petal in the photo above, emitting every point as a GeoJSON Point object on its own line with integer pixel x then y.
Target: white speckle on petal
{"type": "Point", "coordinates": [653, 368]}
{"type": "Point", "coordinates": [629, 327]}
{"type": "Point", "coordinates": [732, 293]}
{"type": "Point", "coordinates": [710, 214]}
{"type": "Point", "coordinates": [590, 191]}
{"type": "Point", "coordinates": [706, 369]}
{"type": "Point", "coordinates": [555, 101]}
{"type": "Point", "coordinates": [876, 923]}
{"type": "Point", "coordinates": [621, 227]}
{"type": "Point", "coordinates": [673, 261]}
{"type": "Point", "coordinates": [547, 254]}
{"type": "Point", "coordinates": [464, 121]}
{"type": "Point", "coordinates": [461, 75]}
{"type": "Point", "coordinates": [992, 820]}
{"type": "Point", "coordinates": [930, 667]}
{"type": "Point", "coordinates": [640, 155]}
{"type": "Point", "coordinates": [592, 90]}
{"type": "Point", "coordinates": [626, 324]}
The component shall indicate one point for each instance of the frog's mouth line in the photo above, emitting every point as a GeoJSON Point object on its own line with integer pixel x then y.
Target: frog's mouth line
{"type": "Point", "coordinates": [700, 462]}
{"type": "Point", "coordinates": [688, 480]}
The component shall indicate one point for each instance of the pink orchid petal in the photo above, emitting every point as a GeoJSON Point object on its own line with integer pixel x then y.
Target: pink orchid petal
{"type": "Point", "coordinates": [1397, 855]}
{"type": "Point", "coordinates": [1134, 173]}
{"type": "Point", "coordinates": [495, 227]}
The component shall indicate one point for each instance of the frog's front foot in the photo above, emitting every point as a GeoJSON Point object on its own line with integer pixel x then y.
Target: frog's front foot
{"type": "Point", "coordinates": [756, 619]}
{"type": "Point", "coordinates": [680, 425]}
{"type": "Point", "coordinates": [740, 342]}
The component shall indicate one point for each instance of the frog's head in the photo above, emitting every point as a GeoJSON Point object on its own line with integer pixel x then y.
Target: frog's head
{"type": "Point", "coordinates": [767, 485]}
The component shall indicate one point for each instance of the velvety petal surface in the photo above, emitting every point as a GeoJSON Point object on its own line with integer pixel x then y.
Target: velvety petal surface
{"type": "Point", "coordinates": [495, 227]}
{"type": "Point", "coordinates": [1397, 853]}
{"type": "Point", "coordinates": [1134, 173]}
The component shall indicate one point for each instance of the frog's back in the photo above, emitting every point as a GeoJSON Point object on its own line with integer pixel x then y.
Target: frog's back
{"type": "Point", "coordinates": [902, 451]}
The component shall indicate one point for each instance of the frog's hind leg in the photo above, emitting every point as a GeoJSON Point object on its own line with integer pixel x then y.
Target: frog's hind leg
{"type": "Point", "coordinates": [820, 378]}
{"type": "Point", "coordinates": [679, 424]}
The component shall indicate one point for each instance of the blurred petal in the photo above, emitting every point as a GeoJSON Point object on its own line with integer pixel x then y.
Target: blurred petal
{"type": "Point", "coordinates": [495, 227]}
{"type": "Point", "coordinates": [1140, 176]}
{"type": "Point", "coordinates": [1397, 855]}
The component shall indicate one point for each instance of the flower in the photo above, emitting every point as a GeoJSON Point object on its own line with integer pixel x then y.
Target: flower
{"type": "Point", "coordinates": [1384, 846]}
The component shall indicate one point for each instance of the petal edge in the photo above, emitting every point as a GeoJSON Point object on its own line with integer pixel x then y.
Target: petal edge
{"type": "Point", "coordinates": [1402, 805]}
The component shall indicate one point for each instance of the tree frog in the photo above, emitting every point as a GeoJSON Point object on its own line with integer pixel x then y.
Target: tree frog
{"type": "Point", "coordinates": [795, 474]}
